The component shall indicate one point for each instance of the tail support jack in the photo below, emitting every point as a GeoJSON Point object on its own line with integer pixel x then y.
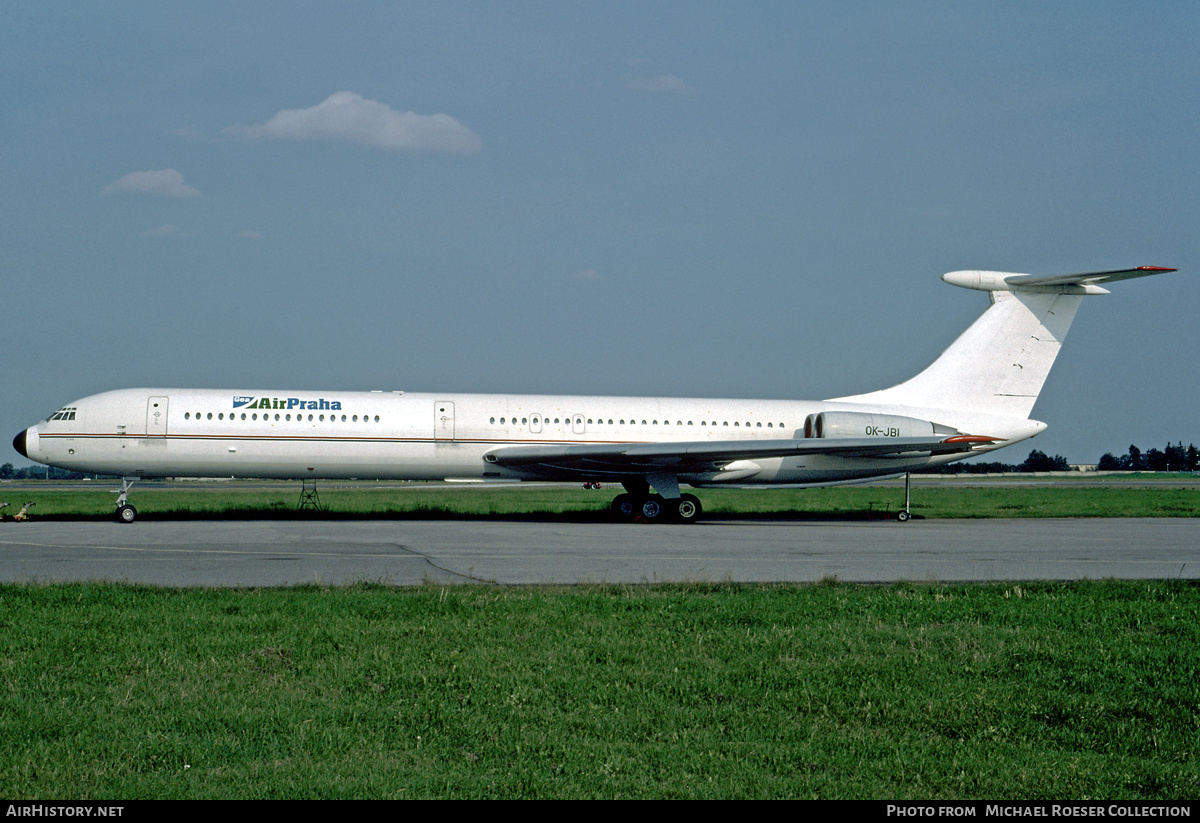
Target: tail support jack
{"type": "Point", "coordinates": [904, 514]}
{"type": "Point", "coordinates": [308, 496]}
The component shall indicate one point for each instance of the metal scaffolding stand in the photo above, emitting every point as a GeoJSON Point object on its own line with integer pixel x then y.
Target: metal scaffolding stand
{"type": "Point", "coordinates": [308, 496]}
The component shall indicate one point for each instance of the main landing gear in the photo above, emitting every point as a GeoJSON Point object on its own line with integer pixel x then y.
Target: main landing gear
{"type": "Point", "coordinates": [639, 505]}
{"type": "Point", "coordinates": [654, 508]}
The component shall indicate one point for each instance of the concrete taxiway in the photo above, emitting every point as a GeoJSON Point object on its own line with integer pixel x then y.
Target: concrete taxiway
{"type": "Point", "coordinates": [397, 552]}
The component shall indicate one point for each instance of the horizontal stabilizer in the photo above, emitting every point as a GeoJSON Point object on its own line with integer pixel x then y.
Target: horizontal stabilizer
{"type": "Point", "coordinates": [1091, 279]}
{"type": "Point", "coordinates": [1084, 283]}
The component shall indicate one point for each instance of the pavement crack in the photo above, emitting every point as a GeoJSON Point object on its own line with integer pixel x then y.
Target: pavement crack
{"type": "Point", "coordinates": [432, 563]}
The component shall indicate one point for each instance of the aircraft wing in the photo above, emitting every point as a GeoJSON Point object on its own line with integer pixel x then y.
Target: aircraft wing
{"type": "Point", "coordinates": [686, 457]}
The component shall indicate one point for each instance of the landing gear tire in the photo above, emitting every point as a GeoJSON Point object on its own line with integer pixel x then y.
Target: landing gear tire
{"type": "Point", "coordinates": [653, 509]}
{"type": "Point", "coordinates": [903, 516]}
{"type": "Point", "coordinates": [687, 508]}
{"type": "Point", "coordinates": [624, 507]}
{"type": "Point", "coordinates": [126, 514]}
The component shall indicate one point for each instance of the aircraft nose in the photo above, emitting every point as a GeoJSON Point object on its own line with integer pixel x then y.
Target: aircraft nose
{"type": "Point", "coordinates": [19, 443]}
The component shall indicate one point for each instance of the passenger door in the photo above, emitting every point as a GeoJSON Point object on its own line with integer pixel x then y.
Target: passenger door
{"type": "Point", "coordinates": [156, 417]}
{"type": "Point", "coordinates": [443, 420]}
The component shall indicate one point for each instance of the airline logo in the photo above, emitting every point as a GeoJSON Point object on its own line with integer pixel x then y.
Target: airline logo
{"type": "Point", "coordinates": [243, 402]}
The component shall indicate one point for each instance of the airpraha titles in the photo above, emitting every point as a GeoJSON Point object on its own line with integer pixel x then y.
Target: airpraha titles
{"type": "Point", "coordinates": [287, 403]}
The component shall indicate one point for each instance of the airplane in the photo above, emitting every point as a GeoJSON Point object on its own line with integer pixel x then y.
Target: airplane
{"type": "Point", "coordinates": [976, 397]}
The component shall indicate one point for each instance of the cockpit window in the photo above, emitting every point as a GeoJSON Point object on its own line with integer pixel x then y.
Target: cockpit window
{"type": "Point", "coordinates": [67, 413]}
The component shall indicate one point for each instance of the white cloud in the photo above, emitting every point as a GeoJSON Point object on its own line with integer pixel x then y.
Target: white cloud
{"type": "Point", "coordinates": [586, 274]}
{"type": "Point", "coordinates": [167, 230]}
{"type": "Point", "coordinates": [167, 182]}
{"type": "Point", "coordinates": [250, 234]}
{"type": "Point", "coordinates": [348, 117]}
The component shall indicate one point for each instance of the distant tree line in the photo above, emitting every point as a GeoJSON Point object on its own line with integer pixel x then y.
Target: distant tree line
{"type": "Point", "coordinates": [1171, 459]}
{"type": "Point", "coordinates": [7, 472]}
{"type": "Point", "coordinates": [1037, 461]}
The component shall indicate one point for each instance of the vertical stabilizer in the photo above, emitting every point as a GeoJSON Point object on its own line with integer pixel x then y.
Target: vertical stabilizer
{"type": "Point", "coordinates": [999, 365]}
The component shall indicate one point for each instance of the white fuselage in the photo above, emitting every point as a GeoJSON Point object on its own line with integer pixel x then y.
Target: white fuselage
{"type": "Point", "coordinates": [395, 435]}
{"type": "Point", "coordinates": [977, 396]}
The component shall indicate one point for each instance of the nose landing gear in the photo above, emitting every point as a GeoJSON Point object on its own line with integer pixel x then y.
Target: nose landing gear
{"type": "Point", "coordinates": [125, 512]}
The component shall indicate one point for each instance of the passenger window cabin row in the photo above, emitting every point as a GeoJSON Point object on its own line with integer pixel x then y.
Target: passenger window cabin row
{"type": "Point", "coordinates": [546, 421]}
{"type": "Point", "coordinates": [283, 418]}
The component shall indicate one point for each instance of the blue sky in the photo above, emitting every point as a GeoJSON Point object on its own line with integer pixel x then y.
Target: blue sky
{"type": "Point", "coordinates": [692, 199]}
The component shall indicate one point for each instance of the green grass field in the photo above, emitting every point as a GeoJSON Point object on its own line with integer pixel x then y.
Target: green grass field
{"type": "Point", "coordinates": [1044, 691]}
{"type": "Point", "coordinates": [364, 499]}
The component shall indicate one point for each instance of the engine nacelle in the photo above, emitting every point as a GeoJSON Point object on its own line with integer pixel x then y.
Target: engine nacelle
{"type": "Point", "coordinates": [862, 424]}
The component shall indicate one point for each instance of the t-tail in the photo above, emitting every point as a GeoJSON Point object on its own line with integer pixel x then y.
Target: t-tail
{"type": "Point", "coordinates": [998, 366]}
